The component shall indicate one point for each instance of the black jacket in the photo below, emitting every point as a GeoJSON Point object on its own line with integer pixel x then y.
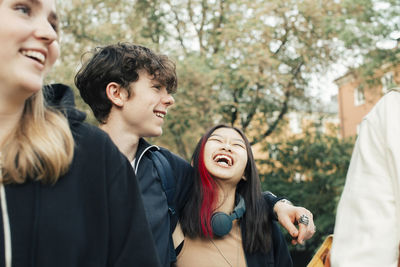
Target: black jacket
{"type": "Point", "coordinates": [155, 200]}
{"type": "Point", "coordinates": [278, 256]}
{"type": "Point", "coordinates": [93, 215]}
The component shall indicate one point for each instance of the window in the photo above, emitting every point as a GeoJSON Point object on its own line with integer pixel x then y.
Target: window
{"type": "Point", "coordinates": [387, 81]}
{"type": "Point", "coordinates": [359, 97]}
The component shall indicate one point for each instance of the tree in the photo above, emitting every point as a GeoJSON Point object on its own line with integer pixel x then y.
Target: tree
{"type": "Point", "coordinates": [260, 55]}
{"type": "Point", "coordinates": [365, 26]}
{"type": "Point", "coordinates": [258, 52]}
{"type": "Point", "coordinates": [310, 170]}
{"type": "Point", "coordinates": [253, 58]}
{"type": "Point", "coordinates": [246, 63]}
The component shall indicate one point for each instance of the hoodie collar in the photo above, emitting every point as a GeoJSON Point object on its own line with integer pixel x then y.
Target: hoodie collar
{"type": "Point", "coordinates": [61, 97]}
{"type": "Point", "coordinates": [143, 147]}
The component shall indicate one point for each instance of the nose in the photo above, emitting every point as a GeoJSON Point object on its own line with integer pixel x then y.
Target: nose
{"type": "Point", "coordinates": [45, 31]}
{"type": "Point", "coordinates": [168, 100]}
{"type": "Point", "coordinates": [227, 147]}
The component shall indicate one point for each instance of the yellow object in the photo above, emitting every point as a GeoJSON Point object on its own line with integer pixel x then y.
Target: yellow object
{"type": "Point", "coordinates": [322, 257]}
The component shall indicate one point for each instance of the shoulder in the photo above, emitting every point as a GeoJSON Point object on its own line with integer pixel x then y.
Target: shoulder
{"type": "Point", "coordinates": [387, 108]}
{"type": "Point", "coordinates": [93, 145]}
{"type": "Point", "coordinates": [384, 119]}
{"type": "Point", "coordinates": [175, 160]}
{"type": "Point", "coordinates": [173, 157]}
{"type": "Point", "coordinates": [183, 173]}
{"type": "Point", "coordinates": [391, 98]}
{"type": "Point", "coordinates": [86, 134]}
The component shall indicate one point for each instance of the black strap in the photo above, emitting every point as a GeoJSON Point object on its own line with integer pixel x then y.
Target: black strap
{"type": "Point", "coordinates": [168, 183]}
{"type": "Point", "coordinates": [167, 178]}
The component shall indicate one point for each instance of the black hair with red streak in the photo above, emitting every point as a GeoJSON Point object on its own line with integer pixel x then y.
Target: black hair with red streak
{"type": "Point", "coordinates": [196, 216]}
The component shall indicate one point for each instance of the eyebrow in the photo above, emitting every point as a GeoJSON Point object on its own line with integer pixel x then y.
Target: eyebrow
{"type": "Point", "coordinates": [236, 139]}
{"type": "Point", "coordinates": [53, 15]}
{"type": "Point", "coordinates": [35, 2]}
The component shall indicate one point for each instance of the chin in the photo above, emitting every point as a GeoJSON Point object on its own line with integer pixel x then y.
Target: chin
{"type": "Point", "coordinates": [33, 84]}
{"type": "Point", "coordinates": [155, 133]}
{"type": "Point", "coordinates": [27, 90]}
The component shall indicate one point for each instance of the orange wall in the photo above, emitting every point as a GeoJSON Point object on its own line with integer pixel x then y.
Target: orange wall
{"type": "Point", "coordinates": [349, 114]}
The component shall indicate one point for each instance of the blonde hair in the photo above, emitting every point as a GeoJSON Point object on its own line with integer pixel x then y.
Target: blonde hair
{"type": "Point", "coordinates": [41, 147]}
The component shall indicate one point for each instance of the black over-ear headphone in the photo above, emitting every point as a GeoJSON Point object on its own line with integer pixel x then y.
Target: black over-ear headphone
{"type": "Point", "coordinates": [221, 223]}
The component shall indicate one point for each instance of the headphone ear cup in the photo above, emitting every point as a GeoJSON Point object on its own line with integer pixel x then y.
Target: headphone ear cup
{"type": "Point", "coordinates": [221, 224]}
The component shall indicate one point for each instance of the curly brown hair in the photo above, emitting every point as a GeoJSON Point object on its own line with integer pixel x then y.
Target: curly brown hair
{"type": "Point", "coordinates": [120, 63]}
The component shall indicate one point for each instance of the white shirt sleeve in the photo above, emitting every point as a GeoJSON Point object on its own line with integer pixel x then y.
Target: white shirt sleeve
{"type": "Point", "coordinates": [367, 221]}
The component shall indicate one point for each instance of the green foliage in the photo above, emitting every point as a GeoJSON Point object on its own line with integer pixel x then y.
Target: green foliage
{"type": "Point", "coordinates": [310, 171]}
{"type": "Point", "coordinates": [239, 62]}
{"type": "Point", "coordinates": [247, 63]}
{"type": "Point", "coordinates": [195, 108]}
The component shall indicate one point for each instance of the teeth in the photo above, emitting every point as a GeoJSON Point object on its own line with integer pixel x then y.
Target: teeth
{"type": "Point", "coordinates": [34, 54]}
{"type": "Point", "coordinates": [220, 157]}
{"type": "Point", "coordinates": [159, 114]}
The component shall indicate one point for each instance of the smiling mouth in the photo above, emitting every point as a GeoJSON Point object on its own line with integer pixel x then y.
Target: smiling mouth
{"type": "Point", "coordinates": [160, 114]}
{"type": "Point", "coordinates": [35, 55]}
{"type": "Point", "coordinates": [223, 160]}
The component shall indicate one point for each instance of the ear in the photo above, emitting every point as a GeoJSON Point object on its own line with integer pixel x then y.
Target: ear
{"type": "Point", "coordinates": [116, 93]}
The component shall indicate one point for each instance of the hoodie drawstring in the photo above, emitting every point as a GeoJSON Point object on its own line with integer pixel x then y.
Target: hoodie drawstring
{"type": "Point", "coordinates": [6, 220]}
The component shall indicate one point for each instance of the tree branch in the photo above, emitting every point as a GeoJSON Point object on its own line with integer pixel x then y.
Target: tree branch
{"type": "Point", "coordinates": [284, 38]}
{"type": "Point", "coordinates": [178, 28]}
{"type": "Point", "coordinates": [253, 109]}
{"type": "Point", "coordinates": [284, 108]}
{"type": "Point", "coordinates": [235, 112]}
{"type": "Point", "coordinates": [217, 27]}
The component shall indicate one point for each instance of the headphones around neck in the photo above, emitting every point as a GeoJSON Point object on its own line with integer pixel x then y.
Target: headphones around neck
{"type": "Point", "coordinates": [221, 223]}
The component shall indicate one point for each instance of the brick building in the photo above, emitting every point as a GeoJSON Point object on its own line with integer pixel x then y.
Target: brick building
{"type": "Point", "coordinates": [356, 97]}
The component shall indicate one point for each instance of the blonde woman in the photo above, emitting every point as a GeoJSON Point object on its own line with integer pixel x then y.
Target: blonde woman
{"type": "Point", "coordinates": [67, 194]}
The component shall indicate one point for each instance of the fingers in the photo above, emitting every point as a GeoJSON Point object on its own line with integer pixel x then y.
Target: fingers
{"type": "Point", "coordinates": [287, 223]}
{"type": "Point", "coordinates": [289, 215]}
{"type": "Point", "coordinates": [306, 231]}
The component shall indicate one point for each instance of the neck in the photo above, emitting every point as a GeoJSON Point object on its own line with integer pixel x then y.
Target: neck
{"type": "Point", "coordinates": [126, 142]}
{"type": "Point", "coordinates": [226, 199]}
{"type": "Point", "coordinates": [9, 118]}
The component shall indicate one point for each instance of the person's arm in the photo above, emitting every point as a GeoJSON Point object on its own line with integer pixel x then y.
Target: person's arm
{"type": "Point", "coordinates": [288, 215]}
{"type": "Point", "coordinates": [367, 226]}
